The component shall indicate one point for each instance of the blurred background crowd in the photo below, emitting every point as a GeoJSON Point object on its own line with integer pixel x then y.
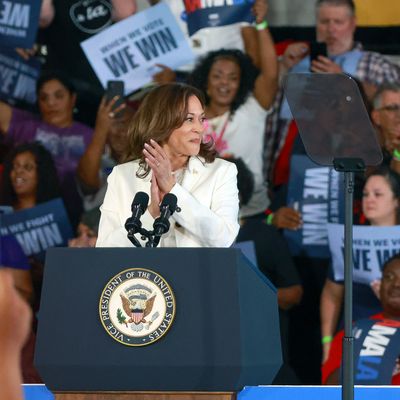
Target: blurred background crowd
{"type": "Point", "coordinates": [66, 146]}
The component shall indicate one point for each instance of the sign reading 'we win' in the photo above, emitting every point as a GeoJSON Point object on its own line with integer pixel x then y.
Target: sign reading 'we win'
{"type": "Point", "coordinates": [130, 49]}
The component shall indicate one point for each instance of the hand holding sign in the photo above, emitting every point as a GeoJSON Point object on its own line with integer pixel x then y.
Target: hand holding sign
{"type": "Point", "coordinates": [166, 75]}
{"type": "Point", "coordinates": [129, 49]}
{"type": "Point", "coordinates": [287, 218]}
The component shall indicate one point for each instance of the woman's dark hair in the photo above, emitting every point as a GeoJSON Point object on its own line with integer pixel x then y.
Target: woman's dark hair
{"type": "Point", "coordinates": [248, 74]}
{"type": "Point", "coordinates": [55, 75]}
{"type": "Point", "coordinates": [245, 180]}
{"type": "Point", "coordinates": [393, 179]}
{"type": "Point", "coordinates": [48, 183]}
{"type": "Point", "coordinates": [163, 110]}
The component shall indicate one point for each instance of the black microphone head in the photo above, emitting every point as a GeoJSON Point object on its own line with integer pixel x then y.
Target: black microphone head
{"type": "Point", "coordinates": [141, 199]}
{"type": "Point", "coordinates": [170, 201]}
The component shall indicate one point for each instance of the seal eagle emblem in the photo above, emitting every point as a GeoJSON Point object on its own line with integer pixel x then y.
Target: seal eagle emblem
{"type": "Point", "coordinates": [137, 307]}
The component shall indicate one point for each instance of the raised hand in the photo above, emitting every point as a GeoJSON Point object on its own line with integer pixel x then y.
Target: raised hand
{"type": "Point", "coordinates": [287, 218]}
{"type": "Point", "coordinates": [158, 161]}
{"type": "Point", "coordinates": [293, 54]}
{"type": "Point", "coordinates": [260, 10]}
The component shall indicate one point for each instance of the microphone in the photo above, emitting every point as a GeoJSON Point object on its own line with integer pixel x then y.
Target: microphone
{"type": "Point", "coordinates": [167, 208]}
{"type": "Point", "coordinates": [138, 207]}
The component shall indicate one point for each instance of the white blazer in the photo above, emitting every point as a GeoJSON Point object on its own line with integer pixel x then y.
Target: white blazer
{"type": "Point", "coordinates": [208, 198]}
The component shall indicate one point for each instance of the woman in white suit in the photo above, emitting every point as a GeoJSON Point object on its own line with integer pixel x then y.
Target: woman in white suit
{"type": "Point", "coordinates": [166, 154]}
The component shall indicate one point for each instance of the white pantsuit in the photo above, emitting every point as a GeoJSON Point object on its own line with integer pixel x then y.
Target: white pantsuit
{"type": "Point", "coordinates": [207, 197]}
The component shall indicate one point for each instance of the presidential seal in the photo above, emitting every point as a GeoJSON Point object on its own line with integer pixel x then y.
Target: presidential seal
{"type": "Point", "coordinates": [137, 307]}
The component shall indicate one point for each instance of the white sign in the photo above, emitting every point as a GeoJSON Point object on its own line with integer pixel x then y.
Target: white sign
{"type": "Point", "coordinates": [129, 49]}
{"type": "Point", "coordinates": [372, 247]}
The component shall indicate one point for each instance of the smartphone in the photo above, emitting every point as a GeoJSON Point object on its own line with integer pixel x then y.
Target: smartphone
{"type": "Point", "coordinates": [317, 49]}
{"type": "Point", "coordinates": [115, 88]}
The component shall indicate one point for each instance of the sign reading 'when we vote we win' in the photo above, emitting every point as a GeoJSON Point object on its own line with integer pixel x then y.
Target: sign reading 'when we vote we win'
{"type": "Point", "coordinates": [130, 49]}
{"type": "Point", "coordinates": [372, 247]}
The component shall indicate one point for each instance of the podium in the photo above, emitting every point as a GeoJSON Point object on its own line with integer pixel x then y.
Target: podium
{"type": "Point", "coordinates": [224, 334]}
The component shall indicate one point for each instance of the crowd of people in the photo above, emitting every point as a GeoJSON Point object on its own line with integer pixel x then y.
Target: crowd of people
{"type": "Point", "coordinates": [227, 117]}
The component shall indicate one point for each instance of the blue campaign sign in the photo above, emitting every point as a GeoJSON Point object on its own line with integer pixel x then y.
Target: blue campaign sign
{"type": "Point", "coordinates": [18, 78]}
{"type": "Point", "coordinates": [201, 14]}
{"type": "Point", "coordinates": [317, 393]}
{"type": "Point", "coordinates": [38, 228]}
{"type": "Point", "coordinates": [19, 21]}
{"type": "Point", "coordinates": [317, 192]}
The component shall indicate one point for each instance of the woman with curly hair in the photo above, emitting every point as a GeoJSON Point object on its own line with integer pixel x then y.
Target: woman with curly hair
{"type": "Point", "coordinates": [238, 97]}
{"type": "Point", "coordinates": [29, 177]}
{"type": "Point", "coordinates": [381, 208]}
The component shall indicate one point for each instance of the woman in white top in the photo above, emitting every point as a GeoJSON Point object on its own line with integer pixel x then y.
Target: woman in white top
{"type": "Point", "coordinates": [238, 100]}
{"type": "Point", "coordinates": [166, 154]}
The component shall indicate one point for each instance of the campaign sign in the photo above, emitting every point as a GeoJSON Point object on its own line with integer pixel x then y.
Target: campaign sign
{"type": "Point", "coordinates": [376, 349]}
{"type": "Point", "coordinates": [19, 21]}
{"type": "Point", "coordinates": [18, 78]}
{"type": "Point", "coordinates": [209, 14]}
{"type": "Point", "coordinates": [38, 228]}
{"type": "Point", "coordinates": [317, 193]}
{"type": "Point", "coordinates": [129, 49]}
{"type": "Point", "coordinates": [372, 246]}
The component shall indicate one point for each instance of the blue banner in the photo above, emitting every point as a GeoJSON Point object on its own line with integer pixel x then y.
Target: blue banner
{"type": "Point", "coordinates": [376, 349]}
{"type": "Point", "coordinates": [38, 228]}
{"type": "Point", "coordinates": [19, 21]}
{"type": "Point", "coordinates": [316, 393]}
{"type": "Point", "coordinates": [212, 13]}
{"type": "Point", "coordinates": [317, 193]}
{"type": "Point", "coordinates": [18, 78]}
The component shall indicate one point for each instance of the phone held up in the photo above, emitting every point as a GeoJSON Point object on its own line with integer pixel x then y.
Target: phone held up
{"type": "Point", "coordinates": [115, 88]}
{"type": "Point", "coordinates": [317, 49]}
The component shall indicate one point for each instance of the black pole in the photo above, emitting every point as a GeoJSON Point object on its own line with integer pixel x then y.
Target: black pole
{"type": "Point", "coordinates": [348, 339]}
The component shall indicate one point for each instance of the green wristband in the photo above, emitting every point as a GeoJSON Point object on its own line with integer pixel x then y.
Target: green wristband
{"type": "Point", "coordinates": [262, 25]}
{"type": "Point", "coordinates": [269, 219]}
{"type": "Point", "coordinates": [396, 154]}
{"type": "Point", "coordinates": [326, 339]}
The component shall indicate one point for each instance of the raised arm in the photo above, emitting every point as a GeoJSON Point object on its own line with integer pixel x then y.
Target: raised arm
{"type": "Point", "coordinates": [331, 303]}
{"type": "Point", "coordinates": [89, 164]}
{"type": "Point", "coordinates": [15, 317]}
{"type": "Point", "coordinates": [5, 117]}
{"type": "Point", "coordinates": [250, 41]}
{"type": "Point", "coordinates": [46, 13]}
{"type": "Point", "coordinates": [267, 82]}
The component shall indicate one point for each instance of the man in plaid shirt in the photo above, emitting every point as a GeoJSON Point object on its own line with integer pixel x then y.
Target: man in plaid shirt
{"type": "Point", "coordinates": [336, 24]}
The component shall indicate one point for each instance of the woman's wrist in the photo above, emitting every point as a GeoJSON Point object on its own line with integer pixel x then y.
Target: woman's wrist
{"type": "Point", "coordinates": [326, 339]}
{"type": "Point", "coordinates": [396, 155]}
{"type": "Point", "coordinates": [261, 25]}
